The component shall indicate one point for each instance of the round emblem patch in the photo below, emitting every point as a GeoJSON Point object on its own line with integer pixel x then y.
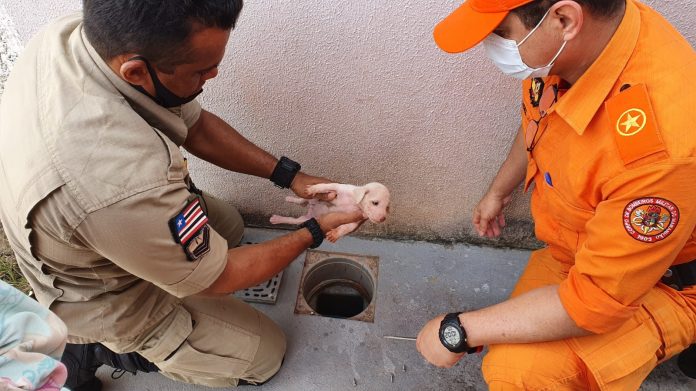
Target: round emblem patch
{"type": "Point", "coordinates": [650, 220]}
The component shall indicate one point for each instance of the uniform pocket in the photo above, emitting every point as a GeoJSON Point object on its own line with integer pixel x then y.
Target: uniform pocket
{"type": "Point", "coordinates": [190, 362]}
{"type": "Point", "coordinates": [627, 354]}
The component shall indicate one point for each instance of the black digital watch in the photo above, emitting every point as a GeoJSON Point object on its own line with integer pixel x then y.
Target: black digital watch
{"type": "Point", "coordinates": [284, 172]}
{"type": "Point", "coordinates": [453, 336]}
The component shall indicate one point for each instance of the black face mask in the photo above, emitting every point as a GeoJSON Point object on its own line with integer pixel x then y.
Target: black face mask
{"type": "Point", "coordinates": [164, 97]}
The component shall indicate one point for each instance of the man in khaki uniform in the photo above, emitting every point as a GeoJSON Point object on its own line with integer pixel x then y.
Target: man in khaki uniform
{"type": "Point", "coordinates": [99, 208]}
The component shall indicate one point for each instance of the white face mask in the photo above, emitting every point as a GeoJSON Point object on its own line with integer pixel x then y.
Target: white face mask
{"type": "Point", "coordinates": [505, 54]}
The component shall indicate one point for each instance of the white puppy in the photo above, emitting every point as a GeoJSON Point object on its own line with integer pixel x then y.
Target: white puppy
{"type": "Point", "coordinates": [372, 199]}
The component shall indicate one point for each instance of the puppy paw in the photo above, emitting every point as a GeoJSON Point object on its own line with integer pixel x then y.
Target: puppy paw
{"type": "Point", "coordinates": [312, 190]}
{"type": "Point", "coordinates": [332, 236]}
{"type": "Point", "coordinates": [275, 219]}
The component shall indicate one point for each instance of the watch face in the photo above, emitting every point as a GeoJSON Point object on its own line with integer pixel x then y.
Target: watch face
{"type": "Point", "coordinates": [452, 336]}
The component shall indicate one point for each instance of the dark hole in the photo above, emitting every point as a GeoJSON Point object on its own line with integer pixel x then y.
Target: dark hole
{"type": "Point", "coordinates": [339, 306]}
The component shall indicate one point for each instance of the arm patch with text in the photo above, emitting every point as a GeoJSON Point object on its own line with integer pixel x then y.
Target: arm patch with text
{"type": "Point", "coordinates": [650, 219]}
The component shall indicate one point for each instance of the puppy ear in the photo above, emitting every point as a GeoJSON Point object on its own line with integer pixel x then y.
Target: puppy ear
{"type": "Point", "coordinates": [359, 194]}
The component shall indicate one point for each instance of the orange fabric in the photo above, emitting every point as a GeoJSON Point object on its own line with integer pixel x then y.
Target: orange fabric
{"type": "Point", "coordinates": [618, 360]}
{"type": "Point", "coordinates": [472, 22]}
{"type": "Point", "coordinates": [636, 133]}
{"type": "Point", "coordinates": [619, 209]}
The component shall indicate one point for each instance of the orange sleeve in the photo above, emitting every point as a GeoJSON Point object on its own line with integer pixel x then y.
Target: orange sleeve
{"type": "Point", "coordinates": [647, 216]}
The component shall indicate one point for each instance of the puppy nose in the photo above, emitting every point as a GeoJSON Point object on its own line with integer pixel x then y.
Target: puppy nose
{"type": "Point", "coordinates": [381, 220]}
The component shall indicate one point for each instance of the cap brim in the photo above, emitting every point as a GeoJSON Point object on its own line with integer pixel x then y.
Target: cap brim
{"type": "Point", "coordinates": [465, 28]}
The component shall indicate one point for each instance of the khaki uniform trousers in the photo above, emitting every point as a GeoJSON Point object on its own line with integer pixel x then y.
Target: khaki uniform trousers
{"type": "Point", "coordinates": [664, 325]}
{"type": "Point", "coordinates": [214, 341]}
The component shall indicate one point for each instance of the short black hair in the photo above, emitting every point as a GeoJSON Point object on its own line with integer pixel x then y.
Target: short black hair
{"type": "Point", "coordinates": [155, 29]}
{"type": "Point", "coordinates": [531, 13]}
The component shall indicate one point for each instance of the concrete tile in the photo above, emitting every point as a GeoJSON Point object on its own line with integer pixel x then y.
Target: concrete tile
{"type": "Point", "coordinates": [416, 281]}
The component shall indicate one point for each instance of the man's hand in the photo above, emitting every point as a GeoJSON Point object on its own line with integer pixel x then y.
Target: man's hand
{"type": "Point", "coordinates": [488, 215]}
{"type": "Point", "coordinates": [429, 345]}
{"type": "Point", "coordinates": [330, 221]}
{"type": "Point", "coordinates": [302, 181]}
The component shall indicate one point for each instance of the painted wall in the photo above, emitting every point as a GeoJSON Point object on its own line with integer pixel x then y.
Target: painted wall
{"type": "Point", "coordinates": [358, 92]}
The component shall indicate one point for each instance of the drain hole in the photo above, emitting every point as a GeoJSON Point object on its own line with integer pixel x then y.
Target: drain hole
{"type": "Point", "coordinates": [338, 288]}
{"type": "Point", "coordinates": [339, 301]}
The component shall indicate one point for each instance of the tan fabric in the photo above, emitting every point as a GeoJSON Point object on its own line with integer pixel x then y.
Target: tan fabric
{"type": "Point", "coordinates": [91, 174]}
{"type": "Point", "coordinates": [186, 344]}
{"type": "Point", "coordinates": [214, 342]}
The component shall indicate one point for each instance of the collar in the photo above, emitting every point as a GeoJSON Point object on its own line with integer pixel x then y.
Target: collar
{"type": "Point", "coordinates": [580, 104]}
{"type": "Point", "coordinates": [168, 121]}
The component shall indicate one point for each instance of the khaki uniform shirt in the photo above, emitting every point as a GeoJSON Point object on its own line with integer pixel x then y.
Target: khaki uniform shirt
{"type": "Point", "coordinates": [91, 177]}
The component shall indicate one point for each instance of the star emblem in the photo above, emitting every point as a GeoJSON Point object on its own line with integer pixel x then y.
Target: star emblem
{"type": "Point", "coordinates": [631, 122]}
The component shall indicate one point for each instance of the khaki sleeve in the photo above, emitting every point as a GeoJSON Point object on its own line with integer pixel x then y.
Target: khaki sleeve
{"type": "Point", "coordinates": [136, 235]}
{"type": "Point", "coordinates": [648, 215]}
{"type": "Point", "coordinates": [191, 112]}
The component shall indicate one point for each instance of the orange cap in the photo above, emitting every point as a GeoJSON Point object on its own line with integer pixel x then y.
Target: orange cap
{"type": "Point", "coordinates": [472, 23]}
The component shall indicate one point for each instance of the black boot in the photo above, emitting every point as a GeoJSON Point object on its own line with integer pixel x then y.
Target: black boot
{"type": "Point", "coordinates": [687, 361]}
{"type": "Point", "coordinates": [129, 362]}
{"type": "Point", "coordinates": [83, 361]}
{"type": "Point", "coordinates": [82, 366]}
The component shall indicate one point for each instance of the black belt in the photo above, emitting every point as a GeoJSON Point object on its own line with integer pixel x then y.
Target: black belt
{"type": "Point", "coordinates": [680, 276]}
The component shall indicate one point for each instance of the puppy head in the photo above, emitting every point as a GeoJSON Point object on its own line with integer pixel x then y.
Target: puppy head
{"type": "Point", "coordinates": [373, 200]}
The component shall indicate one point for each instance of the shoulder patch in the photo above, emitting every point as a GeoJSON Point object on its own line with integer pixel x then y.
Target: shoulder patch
{"type": "Point", "coordinates": [191, 231]}
{"type": "Point", "coordinates": [650, 219]}
{"type": "Point", "coordinates": [633, 122]}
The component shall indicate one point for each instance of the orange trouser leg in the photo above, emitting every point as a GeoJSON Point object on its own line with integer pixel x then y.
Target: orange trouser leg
{"type": "Point", "coordinates": [542, 366]}
{"type": "Point", "coordinates": [619, 360]}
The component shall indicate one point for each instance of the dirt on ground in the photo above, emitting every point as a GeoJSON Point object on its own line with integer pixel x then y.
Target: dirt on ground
{"type": "Point", "coordinates": [9, 271]}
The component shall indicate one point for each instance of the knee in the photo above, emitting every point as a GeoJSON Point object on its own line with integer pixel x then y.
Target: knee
{"type": "Point", "coordinates": [233, 228]}
{"type": "Point", "coordinates": [270, 354]}
{"type": "Point", "coordinates": [503, 369]}
{"type": "Point", "coordinates": [532, 367]}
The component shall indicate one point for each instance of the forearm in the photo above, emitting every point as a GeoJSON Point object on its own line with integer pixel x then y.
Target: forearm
{"type": "Point", "coordinates": [535, 316]}
{"type": "Point", "coordinates": [215, 141]}
{"type": "Point", "coordinates": [513, 170]}
{"type": "Point", "coordinates": [251, 265]}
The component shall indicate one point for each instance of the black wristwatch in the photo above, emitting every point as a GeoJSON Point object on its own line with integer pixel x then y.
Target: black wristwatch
{"type": "Point", "coordinates": [284, 172]}
{"type": "Point", "coordinates": [453, 336]}
{"type": "Point", "coordinates": [317, 234]}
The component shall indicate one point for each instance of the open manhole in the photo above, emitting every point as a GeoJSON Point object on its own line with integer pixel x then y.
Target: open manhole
{"type": "Point", "coordinates": [338, 285]}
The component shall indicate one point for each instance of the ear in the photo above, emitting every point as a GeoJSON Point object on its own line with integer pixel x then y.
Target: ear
{"type": "Point", "coordinates": [571, 16]}
{"type": "Point", "coordinates": [135, 71]}
{"type": "Point", "coordinates": [359, 194]}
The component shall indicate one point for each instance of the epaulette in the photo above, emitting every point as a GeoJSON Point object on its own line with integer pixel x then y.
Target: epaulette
{"type": "Point", "coordinates": [633, 122]}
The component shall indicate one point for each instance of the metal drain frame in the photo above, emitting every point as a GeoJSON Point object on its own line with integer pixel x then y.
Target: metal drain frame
{"type": "Point", "coordinates": [313, 258]}
{"type": "Point", "coordinates": [264, 293]}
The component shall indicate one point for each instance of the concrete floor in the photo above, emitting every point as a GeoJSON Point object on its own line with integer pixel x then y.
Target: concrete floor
{"type": "Point", "coordinates": [416, 281]}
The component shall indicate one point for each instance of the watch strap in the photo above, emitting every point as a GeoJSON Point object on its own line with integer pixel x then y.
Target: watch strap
{"type": "Point", "coordinates": [284, 172]}
{"type": "Point", "coordinates": [317, 234]}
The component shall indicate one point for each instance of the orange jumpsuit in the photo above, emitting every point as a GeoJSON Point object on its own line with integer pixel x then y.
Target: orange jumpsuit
{"type": "Point", "coordinates": [614, 170]}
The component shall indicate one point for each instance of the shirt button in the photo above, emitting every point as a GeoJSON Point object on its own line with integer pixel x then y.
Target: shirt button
{"type": "Point", "coordinates": [668, 273]}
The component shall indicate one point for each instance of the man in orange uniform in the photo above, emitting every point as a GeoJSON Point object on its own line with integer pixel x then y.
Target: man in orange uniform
{"type": "Point", "coordinates": [607, 139]}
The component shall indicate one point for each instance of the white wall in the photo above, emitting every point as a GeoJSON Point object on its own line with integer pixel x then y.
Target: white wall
{"type": "Point", "coordinates": [358, 92]}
